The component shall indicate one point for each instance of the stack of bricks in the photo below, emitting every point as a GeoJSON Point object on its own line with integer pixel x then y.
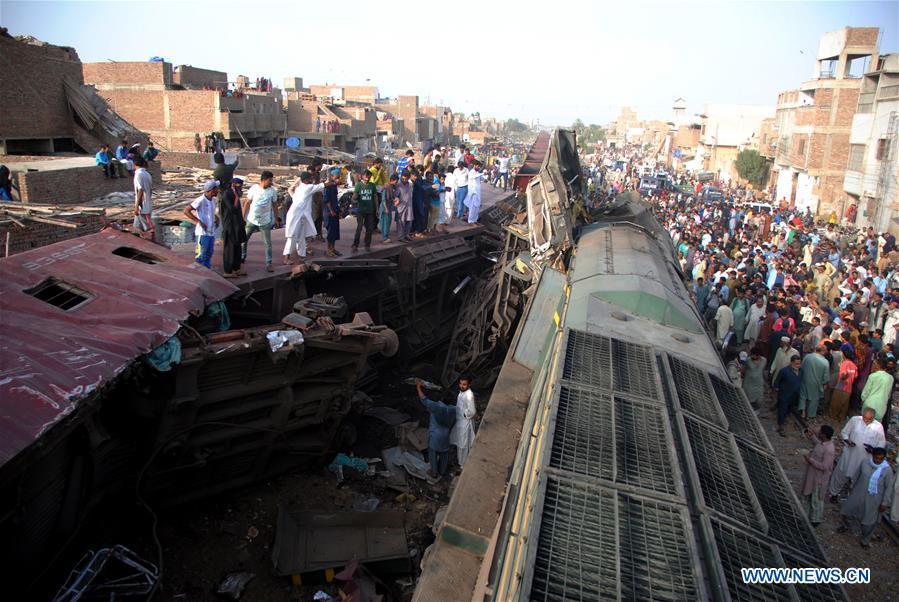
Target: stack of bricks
{"type": "Point", "coordinates": [15, 239]}
{"type": "Point", "coordinates": [73, 186]}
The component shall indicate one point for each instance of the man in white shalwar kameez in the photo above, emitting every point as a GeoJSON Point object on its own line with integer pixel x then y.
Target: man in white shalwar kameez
{"type": "Point", "coordinates": [724, 321]}
{"type": "Point", "coordinates": [473, 200]}
{"type": "Point", "coordinates": [299, 224]}
{"type": "Point", "coordinates": [891, 323]}
{"type": "Point", "coordinates": [862, 434]}
{"type": "Point", "coordinates": [462, 435]}
{"type": "Point", "coordinates": [753, 320]}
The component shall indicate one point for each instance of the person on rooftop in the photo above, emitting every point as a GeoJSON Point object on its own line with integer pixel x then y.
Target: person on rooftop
{"type": "Point", "coordinates": [234, 233]}
{"type": "Point", "coordinates": [105, 160]}
{"type": "Point", "coordinates": [261, 215]}
{"type": "Point", "coordinates": [202, 213]}
{"type": "Point", "coordinates": [143, 198]}
{"type": "Point", "coordinates": [150, 153]}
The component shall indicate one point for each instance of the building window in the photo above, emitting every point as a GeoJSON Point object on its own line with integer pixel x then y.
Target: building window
{"type": "Point", "coordinates": [856, 157]}
{"type": "Point", "coordinates": [883, 149]}
{"type": "Point", "coordinates": [801, 149]}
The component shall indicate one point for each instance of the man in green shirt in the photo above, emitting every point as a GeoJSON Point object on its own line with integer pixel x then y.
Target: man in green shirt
{"type": "Point", "coordinates": [876, 393]}
{"type": "Point", "coordinates": [364, 194]}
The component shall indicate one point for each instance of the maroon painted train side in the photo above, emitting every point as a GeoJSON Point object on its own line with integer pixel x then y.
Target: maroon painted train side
{"type": "Point", "coordinates": [532, 162]}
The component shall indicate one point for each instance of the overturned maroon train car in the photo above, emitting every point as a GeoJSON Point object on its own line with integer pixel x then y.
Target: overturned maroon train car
{"type": "Point", "coordinates": [532, 162]}
{"type": "Point", "coordinates": [120, 371]}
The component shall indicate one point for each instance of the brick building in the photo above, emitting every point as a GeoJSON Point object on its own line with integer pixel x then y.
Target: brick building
{"type": "Point", "coordinates": [194, 78]}
{"type": "Point", "coordinates": [872, 168]}
{"type": "Point", "coordinates": [366, 94]}
{"type": "Point", "coordinates": [814, 122]}
{"type": "Point", "coordinates": [149, 97]}
{"type": "Point", "coordinates": [726, 130]}
{"type": "Point", "coordinates": [36, 105]}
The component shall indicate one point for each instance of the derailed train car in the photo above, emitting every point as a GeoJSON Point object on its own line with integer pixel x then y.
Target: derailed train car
{"type": "Point", "coordinates": [120, 372]}
{"type": "Point", "coordinates": [637, 470]}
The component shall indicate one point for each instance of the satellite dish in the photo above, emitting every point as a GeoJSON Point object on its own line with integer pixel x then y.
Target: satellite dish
{"type": "Point", "coordinates": [292, 142]}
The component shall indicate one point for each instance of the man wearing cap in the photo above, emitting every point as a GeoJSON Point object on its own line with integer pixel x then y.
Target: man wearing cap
{"type": "Point", "coordinates": [202, 213]}
{"type": "Point", "coordinates": [782, 358]}
{"type": "Point", "coordinates": [234, 233]}
{"type": "Point", "coordinates": [860, 435]}
{"type": "Point", "coordinates": [872, 495]}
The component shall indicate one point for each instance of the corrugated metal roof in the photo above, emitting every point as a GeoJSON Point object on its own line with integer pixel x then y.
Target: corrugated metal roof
{"type": "Point", "coordinates": [74, 314]}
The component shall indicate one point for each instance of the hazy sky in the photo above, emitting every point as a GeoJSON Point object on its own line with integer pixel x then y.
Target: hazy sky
{"type": "Point", "coordinates": [554, 59]}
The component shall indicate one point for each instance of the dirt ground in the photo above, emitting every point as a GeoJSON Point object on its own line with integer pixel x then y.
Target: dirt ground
{"type": "Point", "coordinates": [842, 549]}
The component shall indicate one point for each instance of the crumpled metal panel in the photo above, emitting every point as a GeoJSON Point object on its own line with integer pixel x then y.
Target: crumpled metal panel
{"type": "Point", "coordinates": [549, 197]}
{"type": "Point", "coordinates": [51, 358]}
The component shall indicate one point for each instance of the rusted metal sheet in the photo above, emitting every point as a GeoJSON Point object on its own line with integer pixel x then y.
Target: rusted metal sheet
{"type": "Point", "coordinates": [74, 314]}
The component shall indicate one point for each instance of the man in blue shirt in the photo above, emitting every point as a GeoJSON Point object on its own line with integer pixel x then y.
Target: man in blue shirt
{"type": "Point", "coordinates": [443, 417]}
{"type": "Point", "coordinates": [405, 163]}
{"type": "Point", "coordinates": [121, 151]}
{"type": "Point", "coordinates": [787, 384]}
{"type": "Point", "coordinates": [104, 160]}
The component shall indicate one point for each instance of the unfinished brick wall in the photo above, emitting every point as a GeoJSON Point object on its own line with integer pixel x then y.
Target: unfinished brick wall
{"type": "Point", "coordinates": [192, 110]}
{"type": "Point", "coordinates": [75, 186]}
{"type": "Point", "coordinates": [126, 73]}
{"type": "Point", "coordinates": [301, 116]}
{"type": "Point", "coordinates": [38, 234]}
{"type": "Point", "coordinates": [862, 36]}
{"type": "Point", "coordinates": [142, 108]}
{"type": "Point", "coordinates": [195, 77]}
{"type": "Point", "coordinates": [32, 100]}
{"type": "Point", "coordinates": [171, 160]}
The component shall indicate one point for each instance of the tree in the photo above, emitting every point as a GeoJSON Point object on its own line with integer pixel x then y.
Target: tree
{"type": "Point", "coordinates": [588, 134]}
{"type": "Point", "coordinates": [752, 167]}
{"type": "Point", "coordinates": [513, 125]}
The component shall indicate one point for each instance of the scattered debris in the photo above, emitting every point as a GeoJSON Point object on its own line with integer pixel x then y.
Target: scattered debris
{"type": "Point", "coordinates": [234, 584]}
{"type": "Point", "coordinates": [412, 461]}
{"type": "Point", "coordinates": [252, 533]}
{"type": "Point", "coordinates": [308, 541]}
{"type": "Point", "coordinates": [359, 584]}
{"type": "Point", "coordinates": [278, 338]}
{"type": "Point", "coordinates": [321, 596]}
{"type": "Point", "coordinates": [358, 464]}
{"type": "Point", "coordinates": [387, 415]}
{"type": "Point", "coordinates": [368, 505]}
{"type": "Point", "coordinates": [110, 573]}
{"type": "Point", "coordinates": [412, 433]}
{"type": "Point", "coordinates": [425, 384]}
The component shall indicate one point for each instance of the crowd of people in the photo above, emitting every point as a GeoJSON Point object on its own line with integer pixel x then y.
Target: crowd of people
{"type": "Point", "coordinates": [416, 198]}
{"type": "Point", "coordinates": [805, 314]}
